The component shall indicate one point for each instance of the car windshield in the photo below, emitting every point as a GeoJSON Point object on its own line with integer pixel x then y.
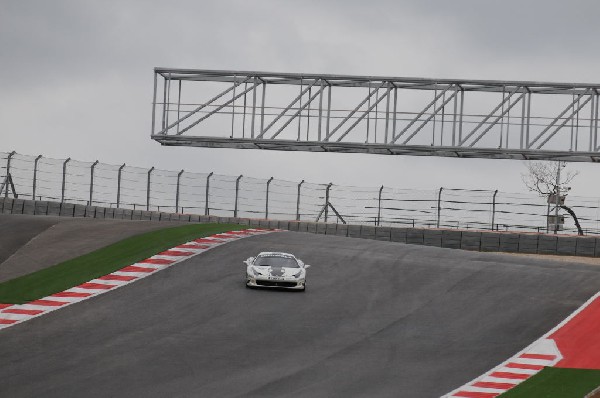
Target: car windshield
{"type": "Point", "coordinates": [276, 261]}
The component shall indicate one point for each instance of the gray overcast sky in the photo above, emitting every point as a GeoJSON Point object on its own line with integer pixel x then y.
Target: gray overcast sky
{"type": "Point", "coordinates": [77, 75]}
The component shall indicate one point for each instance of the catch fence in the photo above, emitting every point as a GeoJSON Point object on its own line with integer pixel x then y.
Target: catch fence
{"type": "Point", "coordinates": [123, 186]}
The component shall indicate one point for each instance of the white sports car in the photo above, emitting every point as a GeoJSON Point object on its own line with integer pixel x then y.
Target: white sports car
{"type": "Point", "coordinates": [275, 269]}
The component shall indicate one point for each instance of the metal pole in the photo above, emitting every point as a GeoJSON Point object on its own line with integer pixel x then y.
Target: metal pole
{"type": "Point", "coordinates": [395, 112]}
{"type": "Point", "coordinates": [262, 106]}
{"type": "Point", "coordinates": [148, 189]}
{"type": "Point", "coordinates": [523, 112]}
{"type": "Point", "coordinates": [233, 107]}
{"type": "Point", "coordinates": [35, 167]}
{"type": "Point", "coordinates": [298, 201]}
{"type": "Point", "coordinates": [577, 123]}
{"type": "Point", "coordinates": [557, 203]}
{"type": "Point", "coordinates": [494, 208]}
{"type": "Point", "coordinates": [327, 200]}
{"type": "Point", "coordinates": [328, 111]}
{"type": "Point", "coordinates": [591, 121]}
{"type": "Point", "coordinates": [178, 104]}
{"type": "Point", "coordinates": [154, 104]}
{"type": "Point", "coordinates": [460, 118]}
{"type": "Point", "coordinates": [528, 118]}
{"type": "Point", "coordinates": [237, 190]}
{"type": "Point", "coordinates": [435, 98]}
{"type": "Point", "coordinates": [168, 101]}
{"type": "Point", "coordinates": [376, 112]}
{"type": "Point", "coordinates": [64, 180]}
{"type": "Point", "coordinates": [177, 193]}
{"type": "Point", "coordinates": [308, 114]}
{"type": "Point", "coordinates": [439, 207]}
{"type": "Point", "coordinates": [164, 110]}
{"type": "Point", "coordinates": [253, 107]}
{"type": "Point", "coordinates": [206, 208]}
{"type": "Point", "coordinates": [300, 108]}
{"type": "Point", "coordinates": [387, 116]}
{"type": "Point", "coordinates": [320, 111]}
{"type": "Point", "coordinates": [379, 207]}
{"type": "Point", "coordinates": [575, 101]}
{"type": "Point", "coordinates": [244, 117]}
{"type": "Point", "coordinates": [10, 155]}
{"type": "Point", "coordinates": [92, 182]}
{"type": "Point", "coordinates": [119, 185]}
{"type": "Point", "coordinates": [596, 121]}
{"type": "Point", "coordinates": [369, 111]}
{"type": "Point", "coordinates": [454, 118]}
{"type": "Point", "coordinates": [507, 124]}
{"type": "Point", "coordinates": [267, 198]}
{"type": "Point", "coordinates": [443, 119]}
{"type": "Point", "coordinates": [502, 113]}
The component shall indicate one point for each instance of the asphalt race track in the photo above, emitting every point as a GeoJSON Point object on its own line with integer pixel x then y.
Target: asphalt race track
{"type": "Point", "coordinates": [378, 319]}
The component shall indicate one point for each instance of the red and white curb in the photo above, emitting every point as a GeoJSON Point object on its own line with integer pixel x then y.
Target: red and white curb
{"type": "Point", "coordinates": [13, 314]}
{"type": "Point", "coordinates": [563, 346]}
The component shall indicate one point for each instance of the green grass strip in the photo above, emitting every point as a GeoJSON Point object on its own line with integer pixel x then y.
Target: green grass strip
{"type": "Point", "coordinates": [557, 383]}
{"type": "Point", "coordinates": [103, 261]}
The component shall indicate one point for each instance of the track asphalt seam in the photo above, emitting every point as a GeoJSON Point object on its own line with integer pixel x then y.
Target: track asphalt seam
{"type": "Point", "coordinates": [13, 314]}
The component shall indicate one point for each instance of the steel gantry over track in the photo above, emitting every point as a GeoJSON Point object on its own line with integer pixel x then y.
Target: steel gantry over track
{"type": "Point", "coordinates": [379, 115]}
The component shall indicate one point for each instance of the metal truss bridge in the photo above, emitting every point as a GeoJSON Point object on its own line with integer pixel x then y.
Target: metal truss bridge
{"type": "Point", "coordinates": [378, 115]}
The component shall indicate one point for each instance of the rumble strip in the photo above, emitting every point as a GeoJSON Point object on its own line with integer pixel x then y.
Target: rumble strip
{"type": "Point", "coordinates": [571, 344]}
{"type": "Point", "coordinates": [13, 314]}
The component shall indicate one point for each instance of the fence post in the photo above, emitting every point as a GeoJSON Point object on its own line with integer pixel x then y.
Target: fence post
{"type": "Point", "coordinates": [237, 190]}
{"type": "Point", "coordinates": [177, 193]}
{"type": "Point", "coordinates": [10, 155]}
{"type": "Point", "coordinates": [379, 205]}
{"type": "Point", "coordinates": [92, 181]}
{"type": "Point", "coordinates": [439, 207]}
{"type": "Point", "coordinates": [557, 193]}
{"type": "Point", "coordinates": [494, 208]}
{"type": "Point", "coordinates": [35, 166]}
{"type": "Point", "coordinates": [148, 189]}
{"type": "Point", "coordinates": [206, 209]}
{"type": "Point", "coordinates": [64, 180]}
{"type": "Point", "coordinates": [327, 200]}
{"type": "Point", "coordinates": [547, 215]}
{"type": "Point", "coordinates": [298, 201]}
{"type": "Point", "coordinates": [119, 185]}
{"type": "Point", "coordinates": [267, 198]}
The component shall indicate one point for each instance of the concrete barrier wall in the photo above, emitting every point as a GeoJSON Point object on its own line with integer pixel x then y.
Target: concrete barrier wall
{"type": "Point", "coordinates": [587, 246]}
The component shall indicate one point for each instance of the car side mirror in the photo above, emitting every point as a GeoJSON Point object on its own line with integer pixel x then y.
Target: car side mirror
{"type": "Point", "coordinates": [306, 266]}
{"type": "Point", "coordinates": [249, 260]}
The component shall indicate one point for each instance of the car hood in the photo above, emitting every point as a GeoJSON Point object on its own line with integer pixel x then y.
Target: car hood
{"type": "Point", "coordinates": [278, 271]}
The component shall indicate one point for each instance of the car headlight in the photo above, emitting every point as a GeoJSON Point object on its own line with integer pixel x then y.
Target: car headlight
{"type": "Point", "coordinates": [256, 272]}
{"type": "Point", "coordinates": [298, 275]}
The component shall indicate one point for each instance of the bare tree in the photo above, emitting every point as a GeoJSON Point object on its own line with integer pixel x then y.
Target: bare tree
{"type": "Point", "coordinates": [549, 178]}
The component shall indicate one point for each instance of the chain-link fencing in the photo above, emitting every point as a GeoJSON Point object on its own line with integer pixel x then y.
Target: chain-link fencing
{"type": "Point", "coordinates": [124, 186]}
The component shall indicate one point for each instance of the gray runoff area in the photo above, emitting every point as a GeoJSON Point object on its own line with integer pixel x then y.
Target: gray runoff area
{"type": "Point", "coordinates": [30, 243]}
{"type": "Point", "coordinates": [378, 319]}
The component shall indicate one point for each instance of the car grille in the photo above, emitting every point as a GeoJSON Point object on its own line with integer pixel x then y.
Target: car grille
{"type": "Point", "coordinates": [276, 283]}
